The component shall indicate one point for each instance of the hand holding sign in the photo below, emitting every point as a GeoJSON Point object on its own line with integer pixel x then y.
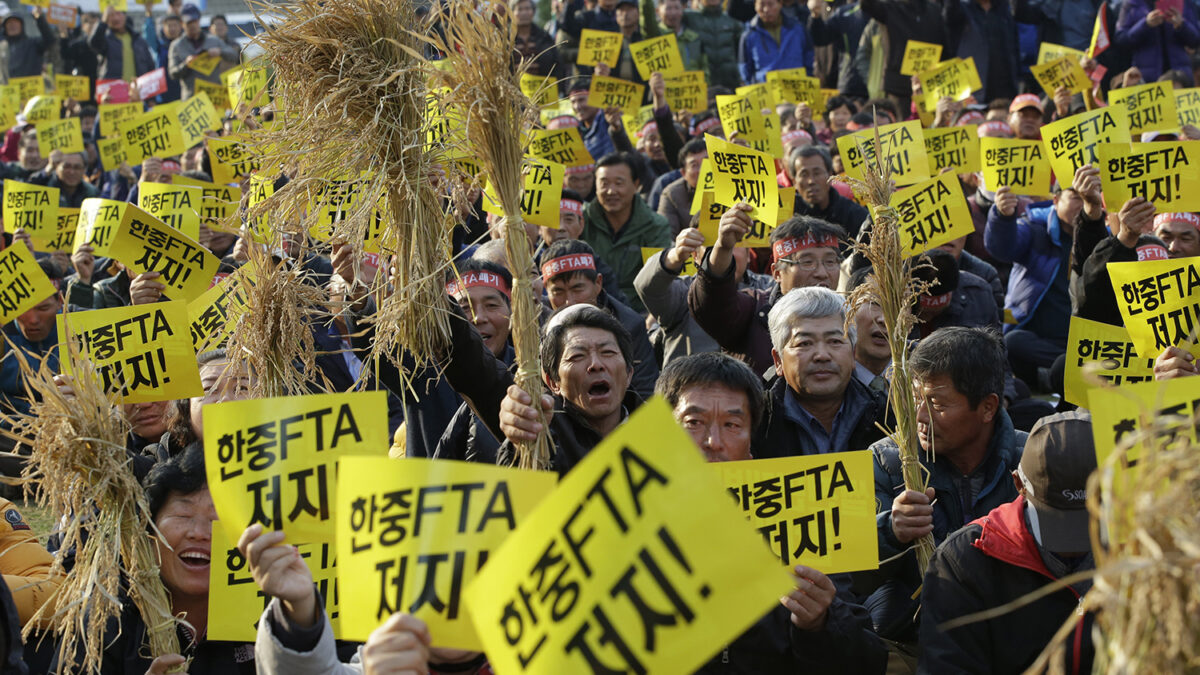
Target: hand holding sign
{"type": "Point", "coordinates": [809, 601]}
{"type": "Point", "coordinates": [1135, 218]}
{"type": "Point", "coordinates": [1173, 363]}
{"type": "Point", "coordinates": [281, 573]}
{"type": "Point", "coordinates": [1087, 185]}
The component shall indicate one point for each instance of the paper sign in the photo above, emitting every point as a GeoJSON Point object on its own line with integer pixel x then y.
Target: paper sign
{"type": "Point", "coordinates": [759, 235]}
{"type": "Point", "coordinates": [657, 55]}
{"type": "Point", "coordinates": [412, 534]}
{"type": "Point", "coordinates": [197, 117]}
{"type": "Point", "coordinates": [540, 197]}
{"type": "Point", "coordinates": [28, 88]}
{"type": "Point", "coordinates": [1150, 107]}
{"type": "Point", "coordinates": [122, 5]}
{"type": "Point", "coordinates": [64, 135]}
{"type": "Point", "coordinates": [214, 315]}
{"type": "Point", "coordinates": [176, 205]}
{"type": "Point", "coordinates": [760, 95]}
{"type": "Point", "coordinates": [1021, 165]}
{"type": "Point", "coordinates": [43, 108]}
{"type": "Point", "coordinates": [99, 220]}
{"type": "Point", "coordinates": [611, 92]}
{"type": "Point", "coordinates": [112, 114]}
{"type": "Point", "coordinates": [955, 148]}
{"type": "Point", "coordinates": [1073, 141]}
{"type": "Point", "coordinates": [705, 184]}
{"type": "Point", "coordinates": [563, 146]}
{"type": "Point", "coordinates": [598, 46]}
{"type": "Point", "coordinates": [1048, 51]}
{"type": "Point", "coordinates": [144, 243]}
{"type": "Point", "coordinates": [902, 149]}
{"type": "Point", "coordinates": [797, 90]}
{"type": "Point", "coordinates": [9, 105]}
{"type": "Point", "coordinates": [1092, 342]}
{"type": "Point", "coordinates": [744, 175]}
{"type": "Point", "coordinates": [141, 353]}
{"type": "Point", "coordinates": [689, 266]}
{"type": "Point", "coordinates": [931, 214]}
{"type": "Point", "coordinates": [919, 57]}
{"type": "Point", "coordinates": [1164, 172]}
{"type": "Point", "coordinates": [687, 92]}
{"type": "Point", "coordinates": [152, 84]}
{"type": "Point", "coordinates": [205, 63]}
{"type": "Point", "coordinates": [153, 134]}
{"type": "Point", "coordinates": [1061, 72]}
{"type": "Point", "coordinates": [113, 152]}
{"type": "Point", "coordinates": [33, 208]}
{"type": "Point", "coordinates": [218, 204]}
{"type": "Point", "coordinates": [61, 15]}
{"type": "Point", "coordinates": [77, 87]}
{"type": "Point", "coordinates": [273, 461]}
{"type": "Point", "coordinates": [1160, 303]}
{"type": "Point", "coordinates": [955, 78]}
{"type": "Point", "coordinates": [217, 94]}
{"type": "Point", "coordinates": [247, 84]}
{"type": "Point", "coordinates": [230, 159]}
{"type": "Point", "coordinates": [23, 284]}
{"type": "Point", "coordinates": [639, 523]}
{"type": "Point", "coordinates": [1187, 106]}
{"type": "Point", "coordinates": [113, 91]}
{"type": "Point", "coordinates": [63, 238]}
{"type": "Point", "coordinates": [742, 118]}
{"type": "Point", "coordinates": [540, 90]}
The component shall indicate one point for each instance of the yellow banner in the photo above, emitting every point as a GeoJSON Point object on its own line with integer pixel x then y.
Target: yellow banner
{"type": "Point", "coordinates": [274, 460]}
{"type": "Point", "coordinates": [639, 522]}
{"type": "Point", "coordinates": [744, 175]}
{"type": "Point", "coordinates": [33, 208]}
{"type": "Point", "coordinates": [1072, 141]}
{"type": "Point", "coordinates": [1187, 107]}
{"type": "Point", "coordinates": [797, 90]}
{"type": "Point", "coordinates": [1048, 51]}
{"type": "Point", "coordinates": [688, 91]}
{"type": "Point", "coordinates": [931, 214]}
{"type": "Point", "coordinates": [955, 78]}
{"type": "Point", "coordinates": [611, 92]}
{"type": "Point", "coordinates": [1164, 172]}
{"type": "Point", "coordinates": [217, 94]}
{"type": "Point", "coordinates": [1150, 107]}
{"type": "Point", "coordinates": [564, 146]}
{"type": "Point", "coordinates": [1117, 362]}
{"type": "Point", "coordinates": [540, 197]}
{"type": "Point", "coordinates": [112, 114]}
{"type": "Point", "coordinates": [205, 63]}
{"type": "Point", "coordinates": [63, 238]}
{"type": "Point", "coordinates": [954, 148]}
{"type": "Point", "coordinates": [153, 134]}
{"type": "Point", "coordinates": [99, 220]}
{"type": "Point", "coordinates": [23, 284]}
{"type": "Point", "coordinates": [143, 243]}
{"type": "Point", "coordinates": [689, 266]}
{"type": "Point", "coordinates": [43, 108]}
{"type": "Point", "coordinates": [247, 84]}
{"type": "Point", "coordinates": [175, 205]}
{"type": "Point", "coordinates": [65, 135]}
{"type": "Point", "coordinates": [1061, 72]}
{"type": "Point", "coordinates": [1159, 302]}
{"type": "Point", "coordinates": [742, 118]}
{"type": "Point", "coordinates": [902, 149]}
{"type": "Point", "coordinates": [214, 315]}
{"type": "Point", "coordinates": [657, 55]}
{"type": "Point", "coordinates": [77, 87]}
{"type": "Point", "coordinates": [540, 89]}
{"type": "Point", "coordinates": [599, 46]}
{"type": "Point", "coordinates": [919, 57]}
{"type": "Point", "coordinates": [1021, 165]}
{"type": "Point", "coordinates": [759, 235]}
{"type": "Point", "coordinates": [420, 529]}
{"type": "Point", "coordinates": [231, 161]}
{"type": "Point", "coordinates": [197, 117]}
{"type": "Point", "coordinates": [28, 87]}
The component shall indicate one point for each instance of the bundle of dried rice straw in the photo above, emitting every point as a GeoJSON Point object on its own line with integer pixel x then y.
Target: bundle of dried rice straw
{"type": "Point", "coordinates": [79, 469]}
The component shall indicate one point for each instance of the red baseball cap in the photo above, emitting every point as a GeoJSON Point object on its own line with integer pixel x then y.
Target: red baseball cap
{"type": "Point", "coordinates": [1024, 101]}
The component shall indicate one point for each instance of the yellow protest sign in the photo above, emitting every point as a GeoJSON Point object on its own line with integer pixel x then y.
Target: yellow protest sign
{"type": "Point", "coordinates": [214, 315]}
{"type": "Point", "coordinates": [1072, 141]}
{"type": "Point", "coordinates": [955, 148]}
{"type": "Point", "coordinates": [247, 85]}
{"type": "Point", "coordinates": [743, 119]}
{"type": "Point", "coordinates": [9, 105]}
{"type": "Point", "coordinates": [1109, 348]}
{"type": "Point", "coordinates": [1187, 106]}
{"type": "Point", "coordinates": [640, 520]}
{"type": "Point", "coordinates": [540, 196]}
{"type": "Point", "coordinates": [1164, 172]}
{"type": "Point", "coordinates": [598, 46]}
{"type": "Point", "coordinates": [218, 203]}
{"type": "Point", "coordinates": [689, 266]}
{"type": "Point", "coordinates": [99, 220]}
{"type": "Point", "coordinates": [1150, 107]}
{"type": "Point", "coordinates": [153, 134]}
{"type": "Point", "coordinates": [23, 284]}
{"type": "Point", "coordinates": [63, 238]}
{"type": "Point", "coordinates": [955, 78]}
{"type": "Point", "coordinates": [1048, 51]}
{"type": "Point", "coordinates": [112, 114]}
{"type": "Point", "coordinates": [141, 353]}
{"type": "Point", "coordinates": [335, 201]}
{"type": "Point", "coordinates": [902, 148]}
{"type": "Point", "coordinates": [28, 87]}
{"type": "Point", "coordinates": [759, 235]}
{"type": "Point", "coordinates": [76, 87]}
{"type": "Point", "coordinates": [539, 89]}
{"type": "Point", "coordinates": [1061, 72]}
{"type": "Point", "coordinates": [197, 117]}
{"type": "Point", "coordinates": [815, 510]}
{"type": "Point", "coordinates": [205, 63]}
{"type": "Point", "coordinates": [919, 57]}
{"type": "Point", "coordinates": [688, 91]}
{"type": "Point", "coordinates": [465, 511]}
{"type": "Point", "coordinates": [1021, 165]}
{"type": "Point", "coordinates": [611, 92]}
{"type": "Point", "coordinates": [273, 461]}
{"type": "Point", "coordinates": [230, 159]}
{"type": "Point", "coordinates": [175, 205]}
{"type": "Point", "coordinates": [705, 184]}
{"type": "Point", "coordinates": [43, 108]}
{"type": "Point", "coordinates": [744, 175]}
{"type": "Point", "coordinates": [563, 146]}
{"type": "Point", "coordinates": [33, 208]}
{"type": "Point", "coordinates": [121, 5]}
{"type": "Point", "coordinates": [644, 116]}
{"type": "Point", "coordinates": [143, 243]}
{"type": "Point", "coordinates": [235, 603]}
{"type": "Point", "coordinates": [64, 135]}
{"type": "Point", "coordinates": [113, 152]}
{"type": "Point", "coordinates": [806, 90]}
{"type": "Point", "coordinates": [657, 55]}
{"type": "Point", "coordinates": [931, 214]}
{"type": "Point", "coordinates": [217, 94]}
{"type": "Point", "coordinates": [1159, 302]}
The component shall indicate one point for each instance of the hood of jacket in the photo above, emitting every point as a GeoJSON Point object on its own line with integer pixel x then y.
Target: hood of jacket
{"type": "Point", "coordinates": [1007, 538]}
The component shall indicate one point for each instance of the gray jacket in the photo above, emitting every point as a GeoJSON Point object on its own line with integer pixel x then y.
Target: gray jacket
{"type": "Point", "coordinates": [675, 205]}
{"type": "Point", "coordinates": [272, 657]}
{"type": "Point", "coordinates": [182, 48]}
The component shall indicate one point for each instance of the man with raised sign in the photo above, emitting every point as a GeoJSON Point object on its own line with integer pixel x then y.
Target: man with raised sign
{"type": "Point", "coordinates": [593, 126]}
{"type": "Point", "coordinates": [108, 39]}
{"type": "Point", "coordinates": [1129, 238]}
{"type": "Point", "coordinates": [190, 46]}
{"type": "Point", "coordinates": [809, 167]}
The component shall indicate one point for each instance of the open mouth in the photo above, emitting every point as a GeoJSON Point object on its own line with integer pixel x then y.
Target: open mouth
{"type": "Point", "coordinates": [879, 337]}
{"type": "Point", "coordinates": [599, 389]}
{"type": "Point", "coordinates": [194, 559]}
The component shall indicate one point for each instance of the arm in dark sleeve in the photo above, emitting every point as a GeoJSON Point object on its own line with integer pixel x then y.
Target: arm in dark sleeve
{"type": "Point", "coordinates": [48, 35]}
{"type": "Point", "coordinates": [1094, 295]}
{"type": "Point", "coordinates": [570, 23]}
{"type": "Point", "coordinates": [966, 649]}
{"type": "Point", "coordinates": [98, 40]}
{"type": "Point", "coordinates": [847, 643]}
{"type": "Point", "coordinates": [645, 366]}
{"type": "Point", "coordinates": [720, 309]}
{"type": "Point", "coordinates": [953, 16]}
{"type": "Point", "coordinates": [1005, 237]}
{"type": "Point", "coordinates": [475, 373]}
{"type": "Point", "coordinates": [671, 141]}
{"type": "Point", "coordinates": [1088, 234]}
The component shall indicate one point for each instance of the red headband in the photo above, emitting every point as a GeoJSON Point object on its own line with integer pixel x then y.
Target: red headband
{"type": "Point", "coordinates": [570, 206]}
{"type": "Point", "coordinates": [475, 279]}
{"type": "Point", "coordinates": [568, 263]}
{"type": "Point", "coordinates": [1189, 218]}
{"type": "Point", "coordinates": [705, 126]}
{"type": "Point", "coordinates": [796, 137]}
{"type": "Point", "coordinates": [563, 122]}
{"type": "Point", "coordinates": [647, 127]}
{"type": "Point", "coordinates": [935, 301]}
{"type": "Point", "coordinates": [785, 247]}
{"type": "Point", "coordinates": [987, 129]}
{"type": "Point", "coordinates": [576, 170]}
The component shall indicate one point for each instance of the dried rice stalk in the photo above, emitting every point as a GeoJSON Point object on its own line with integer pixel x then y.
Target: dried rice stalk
{"type": "Point", "coordinates": [79, 467]}
{"type": "Point", "coordinates": [892, 286]}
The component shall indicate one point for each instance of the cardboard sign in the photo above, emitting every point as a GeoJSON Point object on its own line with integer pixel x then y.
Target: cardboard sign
{"type": "Point", "coordinates": [1150, 107]}
{"type": "Point", "coordinates": [1048, 51]}
{"type": "Point", "coordinates": [816, 510]}
{"type": "Point", "coordinates": [1061, 72]}
{"type": "Point", "coordinates": [76, 87]}
{"type": "Point", "coordinates": [1164, 172]}
{"type": "Point", "coordinates": [1021, 165]}
{"type": "Point", "coordinates": [1187, 106]}
{"type": "Point", "coordinates": [540, 197]}
{"type": "Point", "coordinates": [688, 91]}
{"type": "Point", "coordinates": [217, 94]}
{"type": "Point", "coordinates": [274, 461]}
{"type": "Point", "coordinates": [1109, 348]}
{"type": "Point", "coordinates": [598, 46]}
{"type": "Point", "coordinates": [919, 57]}
{"type": "Point", "coordinates": [112, 114]}
{"type": "Point", "coordinates": [197, 116]}
{"type": "Point", "coordinates": [744, 175]}
{"type": "Point", "coordinates": [797, 90]}
{"type": "Point", "coordinates": [689, 266]}
{"type": "Point", "coordinates": [214, 315]}
{"type": "Point", "coordinates": [902, 151]}
{"type": "Point", "coordinates": [218, 203]}
{"type": "Point", "coordinates": [153, 134]}
{"type": "Point", "coordinates": [760, 95]}
{"type": "Point", "coordinates": [33, 208]}
{"type": "Point", "coordinates": [955, 78]}
{"type": "Point", "coordinates": [954, 148]}
{"type": "Point", "coordinates": [705, 184]}
{"type": "Point", "coordinates": [540, 90]}
{"type": "Point", "coordinates": [28, 88]}
{"type": "Point", "coordinates": [639, 523]}
{"type": "Point", "coordinates": [230, 159]}
{"type": "Point", "coordinates": [99, 220]}
{"type": "Point", "coordinates": [141, 353]}
{"type": "Point", "coordinates": [175, 205]}
{"type": "Point", "coordinates": [43, 108]}
{"type": "Point", "coordinates": [61, 15]}
{"type": "Point", "coordinates": [23, 284]}
{"type": "Point", "coordinates": [63, 238]}
{"type": "Point", "coordinates": [113, 152]}
{"type": "Point", "coordinates": [1073, 141]}
{"type": "Point", "coordinates": [205, 63]}
{"type": "Point", "coordinates": [931, 213]}
{"type": "Point", "coordinates": [413, 533]}
{"type": "Point", "coordinates": [562, 146]}
{"type": "Point", "coordinates": [611, 92]}
{"type": "Point", "coordinates": [248, 84]}
{"type": "Point", "coordinates": [151, 84]}
{"type": "Point", "coordinates": [1160, 303]}
{"type": "Point", "coordinates": [144, 243]}
{"type": "Point", "coordinates": [65, 135]}
{"type": "Point", "coordinates": [657, 55]}
{"type": "Point", "coordinates": [759, 235]}
{"type": "Point", "coordinates": [742, 118]}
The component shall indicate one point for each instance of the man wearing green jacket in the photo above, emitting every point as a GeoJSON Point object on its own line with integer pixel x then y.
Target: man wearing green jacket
{"type": "Point", "coordinates": [720, 34]}
{"type": "Point", "coordinates": [669, 19]}
{"type": "Point", "coordinates": [618, 224]}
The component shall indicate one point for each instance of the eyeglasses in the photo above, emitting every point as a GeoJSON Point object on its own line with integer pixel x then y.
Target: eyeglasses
{"type": "Point", "coordinates": [809, 264]}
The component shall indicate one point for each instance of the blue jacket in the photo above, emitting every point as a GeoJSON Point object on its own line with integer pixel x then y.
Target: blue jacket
{"type": "Point", "coordinates": [1034, 245]}
{"type": "Point", "coordinates": [1148, 44]}
{"type": "Point", "coordinates": [759, 52]}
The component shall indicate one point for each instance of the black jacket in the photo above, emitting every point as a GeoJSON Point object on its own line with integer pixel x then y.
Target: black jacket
{"type": "Point", "coordinates": [25, 54]}
{"type": "Point", "coordinates": [779, 436]}
{"type": "Point", "coordinates": [1091, 287]}
{"type": "Point", "coordinates": [905, 20]}
{"type": "Point", "coordinates": [108, 47]}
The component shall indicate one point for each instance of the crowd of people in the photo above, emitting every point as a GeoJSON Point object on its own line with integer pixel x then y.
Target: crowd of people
{"type": "Point", "coordinates": [755, 349]}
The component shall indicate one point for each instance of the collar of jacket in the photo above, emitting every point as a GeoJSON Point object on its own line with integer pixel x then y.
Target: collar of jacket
{"type": "Point", "coordinates": [1007, 538]}
{"type": "Point", "coordinates": [639, 214]}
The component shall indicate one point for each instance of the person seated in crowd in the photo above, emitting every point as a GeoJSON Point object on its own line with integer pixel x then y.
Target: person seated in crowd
{"type": "Point", "coordinates": [958, 387]}
{"type": "Point", "coordinates": [570, 277]}
{"type": "Point", "coordinates": [26, 565]}
{"type": "Point", "coordinates": [953, 298]}
{"type": "Point", "coordinates": [1025, 117]}
{"type": "Point", "coordinates": [29, 158]}
{"type": "Point", "coordinates": [570, 226]}
{"type": "Point", "coordinates": [31, 338]}
{"type": "Point", "coordinates": [809, 168]}
{"type": "Point", "coordinates": [65, 172]}
{"type": "Point", "coordinates": [1180, 232]}
{"type": "Point", "coordinates": [1016, 551]}
{"type": "Point", "coordinates": [593, 126]}
{"type": "Point", "coordinates": [872, 351]}
{"type": "Point", "coordinates": [970, 263]}
{"type": "Point", "coordinates": [805, 254]}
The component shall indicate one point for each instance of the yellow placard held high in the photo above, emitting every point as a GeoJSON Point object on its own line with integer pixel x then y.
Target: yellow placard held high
{"type": "Point", "coordinates": [1150, 107]}
{"type": "Point", "coordinates": [112, 114]}
{"type": "Point", "coordinates": [63, 238]}
{"type": "Point", "coordinates": [540, 90]}
{"type": "Point", "coordinates": [23, 284]}
{"type": "Point", "coordinates": [1048, 51]}
{"type": "Point", "coordinates": [563, 146]}
{"type": "Point", "coordinates": [744, 175]}
{"type": "Point", "coordinates": [706, 183]}
{"type": "Point", "coordinates": [1164, 172]}
{"type": "Point", "coordinates": [217, 94]}
{"type": "Point", "coordinates": [43, 108]}
{"type": "Point", "coordinates": [63, 135]}
{"type": "Point", "coordinates": [205, 63]}
{"type": "Point", "coordinates": [230, 159]}
{"type": "Point", "coordinates": [215, 314]}
{"type": "Point", "coordinates": [611, 92]}
{"type": "Point", "coordinates": [144, 243]}
{"type": "Point", "coordinates": [1109, 348]}
{"type": "Point", "coordinates": [641, 519]}
{"type": "Point", "coordinates": [919, 57]}
{"type": "Point", "coordinates": [1159, 301]}
{"type": "Point", "coordinates": [197, 117]}
{"type": "Point", "coordinates": [1061, 72]}
{"type": "Point", "coordinates": [33, 208]}
{"type": "Point", "coordinates": [540, 196]}
{"type": "Point", "coordinates": [153, 134]}
{"type": "Point", "coordinates": [28, 87]}
{"type": "Point", "coordinates": [99, 220]}
{"type": "Point", "coordinates": [688, 91]}
{"type": "Point", "coordinates": [247, 85]}
{"type": "Point", "coordinates": [1073, 141]}
{"type": "Point", "coordinates": [902, 148]}
{"type": "Point", "coordinates": [77, 87]}
{"type": "Point", "coordinates": [955, 148]}
{"type": "Point", "coordinates": [657, 55]}
{"type": "Point", "coordinates": [689, 266]}
{"type": "Point", "coordinates": [1021, 165]}
{"type": "Point", "coordinates": [218, 203]}
{"type": "Point", "coordinates": [806, 90]}
{"type": "Point", "coordinates": [598, 46]}
{"type": "Point", "coordinates": [955, 78]}
{"type": "Point", "coordinates": [931, 214]}
{"type": "Point", "coordinates": [759, 235]}
{"type": "Point", "coordinates": [175, 205]}
{"type": "Point", "coordinates": [1187, 106]}
{"type": "Point", "coordinates": [465, 512]}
